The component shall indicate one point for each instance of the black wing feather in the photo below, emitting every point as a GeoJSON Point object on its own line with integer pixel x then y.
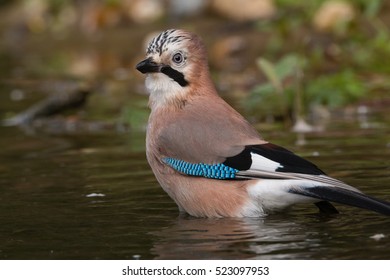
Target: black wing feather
{"type": "Point", "coordinates": [289, 161]}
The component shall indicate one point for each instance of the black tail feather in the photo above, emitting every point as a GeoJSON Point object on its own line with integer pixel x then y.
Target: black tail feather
{"type": "Point", "coordinates": [326, 207]}
{"type": "Point", "coordinates": [344, 196]}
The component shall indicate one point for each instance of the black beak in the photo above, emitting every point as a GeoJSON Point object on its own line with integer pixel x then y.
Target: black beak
{"type": "Point", "coordinates": [148, 66]}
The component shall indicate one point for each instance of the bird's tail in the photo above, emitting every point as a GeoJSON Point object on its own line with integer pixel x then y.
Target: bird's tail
{"type": "Point", "coordinates": [345, 196]}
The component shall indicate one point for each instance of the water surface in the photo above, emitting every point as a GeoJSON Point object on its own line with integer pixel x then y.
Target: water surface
{"type": "Point", "coordinates": [93, 196]}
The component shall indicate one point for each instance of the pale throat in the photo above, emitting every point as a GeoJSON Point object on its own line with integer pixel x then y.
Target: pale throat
{"type": "Point", "coordinates": [163, 89]}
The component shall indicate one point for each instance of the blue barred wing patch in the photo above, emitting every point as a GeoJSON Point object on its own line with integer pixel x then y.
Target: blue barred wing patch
{"type": "Point", "coordinates": [213, 171]}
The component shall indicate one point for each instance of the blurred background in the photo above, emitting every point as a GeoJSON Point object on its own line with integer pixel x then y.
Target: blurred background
{"type": "Point", "coordinates": [313, 76]}
{"type": "Point", "coordinates": [273, 59]}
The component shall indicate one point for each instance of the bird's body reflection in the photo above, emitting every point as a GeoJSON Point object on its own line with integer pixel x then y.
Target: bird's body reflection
{"type": "Point", "coordinates": [233, 238]}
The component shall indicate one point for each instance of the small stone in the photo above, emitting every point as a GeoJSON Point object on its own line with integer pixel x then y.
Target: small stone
{"type": "Point", "coordinates": [378, 236]}
{"type": "Point", "coordinates": [316, 154]}
{"type": "Point", "coordinates": [363, 110]}
{"type": "Point", "coordinates": [17, 95]}
{"type": "Point", "coordinates": [333, 14]}
{"type": "Point", "coordinates": [34, 12]}
{"type": "Point", "coordinates": [244, 10]}
{"type": "Point", "coordinates": [95, 195]}
{"type": "Point", "coordinates": [180, 8]}
{"type": "Point", "coordinates": [84, 64]}
{"type": "Point", "coordinates": [227, 53]}
{"type": "Point", "coordinates": [146, 11]}
{"type": "Point", "coordinates": [301, 126]}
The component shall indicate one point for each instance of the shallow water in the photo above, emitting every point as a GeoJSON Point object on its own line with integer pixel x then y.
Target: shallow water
{"type": "Point", "coordinates": [93, 196]}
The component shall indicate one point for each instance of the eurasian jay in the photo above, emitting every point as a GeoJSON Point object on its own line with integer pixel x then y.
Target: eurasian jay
{"type": "Point", "coordinates": [209, 159]}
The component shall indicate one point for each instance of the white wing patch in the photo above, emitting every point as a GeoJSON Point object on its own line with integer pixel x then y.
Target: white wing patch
{"type": "Point", "coordinates": [274, 195]}
{"type": "Point", "coordinates": [262, 163]}
{"type": "Point", "coordinates": [263, 167]}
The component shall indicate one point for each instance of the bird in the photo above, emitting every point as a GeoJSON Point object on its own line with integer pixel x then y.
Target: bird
{"type": "Point", "coordinates": [209, 159]}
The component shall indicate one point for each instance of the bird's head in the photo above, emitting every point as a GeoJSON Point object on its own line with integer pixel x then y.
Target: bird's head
{"type": "Point", "coordinates": [175, 65]}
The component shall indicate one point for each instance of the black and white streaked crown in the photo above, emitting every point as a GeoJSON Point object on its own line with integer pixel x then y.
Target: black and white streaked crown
{"type": "Point", "coordinates": [160, 43]}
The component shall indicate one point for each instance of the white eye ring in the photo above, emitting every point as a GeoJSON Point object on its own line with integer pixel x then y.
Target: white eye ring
{"type": "Point", "coordinates": [178, 58]}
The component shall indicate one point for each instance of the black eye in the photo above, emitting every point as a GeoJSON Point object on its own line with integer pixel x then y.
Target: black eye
{"type": "Point", "coordinates": [178, 58]}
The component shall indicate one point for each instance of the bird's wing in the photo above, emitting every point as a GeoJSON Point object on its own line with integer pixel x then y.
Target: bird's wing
{"type": "Point", "coordinates": [269, 161]}
{"type": "Point", "coordinates": [274, 162]}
